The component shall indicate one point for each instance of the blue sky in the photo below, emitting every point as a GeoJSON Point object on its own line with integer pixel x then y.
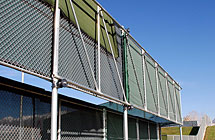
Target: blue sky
{"type": "Point", "coordinates": [180, 35]}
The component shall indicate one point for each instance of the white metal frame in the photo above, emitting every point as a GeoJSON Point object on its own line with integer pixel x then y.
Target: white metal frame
{"type": "Point", "coordinates": [138, 130]}
{"type": "Point", "coordinates": [54, 102]}
{"type": "Point", "coordinates": [167, 92]}
{"type": "Point", "coordinates": [157, 85]}
{"type": "Point", "coordinates": [99, 48]}
{"type": "Point", "coordinates": [144, 78]}
{"type": "Point", "coordinates": [104, 124]}
{"type": "Point", "coordinates": [59, 120]}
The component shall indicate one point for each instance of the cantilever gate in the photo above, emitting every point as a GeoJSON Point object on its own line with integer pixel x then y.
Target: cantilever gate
{"type": "Point", "coordinates": [80, 42]}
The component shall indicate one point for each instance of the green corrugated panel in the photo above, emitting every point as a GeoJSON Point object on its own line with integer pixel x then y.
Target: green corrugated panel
{"type": "Point", "coordinates": [162, 92]}
{"type": "Point", "coordinates": [143, 130]}
{"type": "Point", "coordinates": [114, 127]}
{"type": "Point", "coordinates": [153, 131]}
{"type": "Point", "coordinates": [86, 11]}
{"type": "Point", "coordinates": [151, 88]}
{"type": "Point", "coordinates": [132, 130]}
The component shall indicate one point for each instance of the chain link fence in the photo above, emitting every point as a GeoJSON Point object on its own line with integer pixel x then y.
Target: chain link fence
{"type": "Point", "coordinates": [26, 30]}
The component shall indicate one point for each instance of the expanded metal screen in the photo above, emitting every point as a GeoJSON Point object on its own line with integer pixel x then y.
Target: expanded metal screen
{"type": "Point", "coordinates": [73, 64]}
{"type": "Point", "coordinates": [26, 30]}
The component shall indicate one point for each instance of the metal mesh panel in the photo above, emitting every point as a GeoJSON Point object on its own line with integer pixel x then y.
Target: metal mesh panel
{"type": "Point", "coordinates": [26, 35]}
{"type": "Point", "coordinates": [24, 117]}
{"type": "Point", "coordinates": [74, 66]}
{"type": "Point", "coordinates": [110, 83]}
{"type": "Point", "coordinates": [80, 123]}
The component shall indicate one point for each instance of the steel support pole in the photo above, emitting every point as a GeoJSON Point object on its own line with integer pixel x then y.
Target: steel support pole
{"type": "Point", "coordinates": [167, 92]}
{"type": "Point", "coordinates": [125, 123]}
{"type": "Point", "coordinates": [144, 79]}
{"type": "Point", "coordinates": [158, 131]}
{"type": "Point", "coordinates": [149, 133]}
{"type": "Point", "coordinates": [104, 124]}
{"type": "Point", "coordinates": [175, 101]}
{"type": "Point", "coordinates": [59, 121]}
{"type": "Point", "coordinates": [181, 137]}
{"type": "Point", "coordinates": [138, 130]}
{"type": "Point", "coordinates": [54, 110]}
{"type": "Point", "coordinates": [21, 111]}
{"type": "Point", "coordinates": [54, 102]}
{"type": "Point", "coordinates": [157, 85]}
{"type": "Point", "coordinates": [99, 48]}
{"type": "Point", "coordinates": [180, 109]}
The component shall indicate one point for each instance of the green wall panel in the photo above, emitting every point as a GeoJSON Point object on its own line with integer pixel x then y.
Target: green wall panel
{"type": "Point", "coordinates": [162, 93]}
{"type": "Point", "coordinates": [151, 89]}
{"type": "Point", "coordinates": [171, 99]}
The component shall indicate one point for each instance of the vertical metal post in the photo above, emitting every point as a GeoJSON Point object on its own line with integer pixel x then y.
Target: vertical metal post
{"type": "Point", "coordinates": [175, 101]}
{"type": "Point", "coordinates": [125, 66]}
{"type": "Point", "coordinates": [125, 122]}
{"type": "Point", "coordinates": [138, 130]}
{"type": "Point", "coordinates": [59, 121]}
{"type": "Point", "coordinates": [149, 131]}
{"type": "Point", "coordinates": [181, 137]}
{"type": "Point", "coordinates": [99, 48]}
{"type": "Point", "coordinates": [157, 84]}
{"type": "Point", "coordinates": [21, 111]}
{"type": "Point", "coordinates": [158, 131]}
{"type": "Point", "coordinates": [160, 136]}
{"type": "Point", "coordinates": [104, 124]}
{"type": "Point", "coordinates": [55, 72]}
{"type": "Point", "coordinates": [180, 109]}
{"type": "Point", "coordinates": [144, 78]}
{"type": "Point", "coordinates": [167, 92]}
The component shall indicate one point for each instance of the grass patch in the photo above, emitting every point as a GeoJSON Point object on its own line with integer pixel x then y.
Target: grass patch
{"type": "Point", "coordinates": [210, 133]}
{"type": "Point", "coordinates": [176, 131]}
